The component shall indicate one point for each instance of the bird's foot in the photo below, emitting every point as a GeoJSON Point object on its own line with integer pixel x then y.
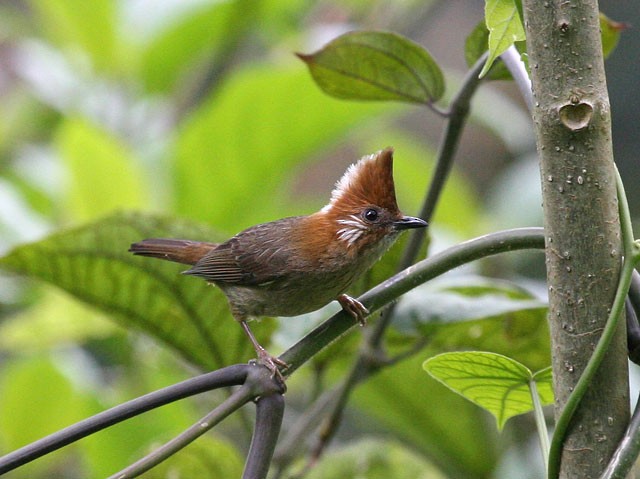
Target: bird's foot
{"type": "Point", "coordinates": [272, 363]}
{"type": "Point", "coordinates": [354, 307]}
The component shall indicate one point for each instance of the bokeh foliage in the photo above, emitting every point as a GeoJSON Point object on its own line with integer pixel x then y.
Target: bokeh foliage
{"type": "Point", "coordinates": [201, 112]}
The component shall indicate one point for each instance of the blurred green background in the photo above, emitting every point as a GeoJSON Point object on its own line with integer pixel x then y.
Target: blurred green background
{"type": "Point", "coordinates": [199, 109]}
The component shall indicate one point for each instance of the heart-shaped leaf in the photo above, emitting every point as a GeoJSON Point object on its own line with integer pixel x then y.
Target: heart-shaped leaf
{"type": "Point", "coordinates": [376, 66]}
{"type": "Point", "coordinates": [92, 263]}
{"type": "Point", "coordinates": [494, 382]}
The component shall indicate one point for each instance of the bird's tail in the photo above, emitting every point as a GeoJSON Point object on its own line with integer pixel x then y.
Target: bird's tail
{"type": "Point", "coordinates": [180, 251]}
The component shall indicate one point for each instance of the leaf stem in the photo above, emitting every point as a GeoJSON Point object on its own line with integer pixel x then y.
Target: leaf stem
{"type": "Point", "coordinates": [541, 425]}
{"type": "Point", "coordinates": [518, 70]}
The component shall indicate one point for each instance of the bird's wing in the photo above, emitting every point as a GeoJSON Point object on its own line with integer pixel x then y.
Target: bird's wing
{"type": "Point", "coordinates": [255, 256]}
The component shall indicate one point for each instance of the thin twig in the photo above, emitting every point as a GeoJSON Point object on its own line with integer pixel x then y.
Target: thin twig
{"type": "Point", "coordinates": [291, 445]}
{"type": "Point", "coordinates": [457, 117]}
{"type": "Point", "coordinates": [239, 398]}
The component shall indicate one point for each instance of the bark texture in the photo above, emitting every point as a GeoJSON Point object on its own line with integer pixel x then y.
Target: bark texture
{"type": "Point", "coordinates": [583, 244]}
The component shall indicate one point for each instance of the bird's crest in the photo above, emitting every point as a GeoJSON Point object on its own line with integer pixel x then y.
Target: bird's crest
{"type": "Point", "coordinates": [369, 181]}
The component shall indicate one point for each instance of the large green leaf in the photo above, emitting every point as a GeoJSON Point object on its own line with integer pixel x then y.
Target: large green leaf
{"type": "Point", "coordinates": [37, 399]}
{"type": "Point", "coordinates": [92, 264]}
{"type": "Point", "coordinates": [235, 154]}
{"type": "Point", "coordinates": [376, 66]}
{"type": "Point", "coordinates": [478, 313]}
{"type": "Point", "coordinates": [494, 382]}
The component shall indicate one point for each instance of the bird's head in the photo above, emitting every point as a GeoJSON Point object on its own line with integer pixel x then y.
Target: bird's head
{"type": "Point", "coordinates": [363, 208]}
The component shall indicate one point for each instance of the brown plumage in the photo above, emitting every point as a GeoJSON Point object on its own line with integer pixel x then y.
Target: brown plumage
{"type": "Point", "coordinates": [298, 264]}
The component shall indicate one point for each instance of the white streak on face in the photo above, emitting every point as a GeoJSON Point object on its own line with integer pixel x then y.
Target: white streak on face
{"type": "Point", "coordinates": [353, 229]}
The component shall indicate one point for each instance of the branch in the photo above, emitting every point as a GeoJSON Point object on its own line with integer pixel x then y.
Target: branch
{"type": "Point", "coordinates": [391, 289]}
{"type": "Point", "coordinates": [229, 376]}
{"type": "Point", "coordinates": [259, 383]}
{"type": "Point", "coordinates": [270, 410]}
{"type": "Point", "coordinates": [231, 404]}
{"type": "Point", "coordinates": [632, 309]}
{"type": "Point", "coordinates": [515, 65]}
{"type": "Point", "coordinates": [625, 456]}
{"type": "Point", "coordinates": [374, 299]}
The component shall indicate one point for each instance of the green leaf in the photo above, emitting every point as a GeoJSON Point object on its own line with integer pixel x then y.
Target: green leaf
{"type": "Point", "coordinates": [505, 28]}
{"type": "Point", "coordinates": [477, 313]}
{"type": "Point", "coordinates": [92, 263]}
{"type": "Point", "coordinates": [58, 319]}
{"type": "Point", "coordinates": [37, 399]}
{"type": "Point", "coordinates": [610, 31]}
{"type": "Point", "coordinates": [476, 45]}
{"type": "Point", "coordinates": [52, 402]}
{"type": "Point", "coordinates": [445, 428]}
{"type": "Point", "coordinates": [376, 66]}
{"type": "Point", "coordinates": [494, 382]}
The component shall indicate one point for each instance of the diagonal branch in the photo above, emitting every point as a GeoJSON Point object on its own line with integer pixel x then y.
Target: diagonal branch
{"type": "Point", "coordinates": [376, 298]}
{"type": "Point", "coordinates": [391, 289]}
{"type": "Point", "coordinates": [230, 405]}
{"type": "Point", "coordinates": [229, 376]}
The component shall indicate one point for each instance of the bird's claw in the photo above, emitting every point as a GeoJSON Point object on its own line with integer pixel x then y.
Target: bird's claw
{"type": "Point", "coordinates": [272, 363]}
{"type": "Point", "coordinates": [354, 307]}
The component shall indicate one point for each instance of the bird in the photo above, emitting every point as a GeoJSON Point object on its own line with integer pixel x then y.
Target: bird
{"type": "Point", "coordinates": [298, 264]}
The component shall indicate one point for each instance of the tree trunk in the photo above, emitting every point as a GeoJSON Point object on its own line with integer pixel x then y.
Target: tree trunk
{"type": "Point", "coordinates": [582, 228]}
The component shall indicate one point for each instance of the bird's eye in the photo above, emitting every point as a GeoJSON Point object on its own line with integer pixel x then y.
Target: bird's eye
{"type": "Point", "coordinates": [371, 214]}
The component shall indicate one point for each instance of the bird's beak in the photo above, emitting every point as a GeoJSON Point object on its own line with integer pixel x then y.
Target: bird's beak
{"type": "Point", "coordinates": [409, 222]}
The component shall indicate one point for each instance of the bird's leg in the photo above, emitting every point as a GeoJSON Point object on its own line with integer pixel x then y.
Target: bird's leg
{"type": "Point", "coordinates": [271, 362]}
{"type": "Point", "coordinates": [354, 307]}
